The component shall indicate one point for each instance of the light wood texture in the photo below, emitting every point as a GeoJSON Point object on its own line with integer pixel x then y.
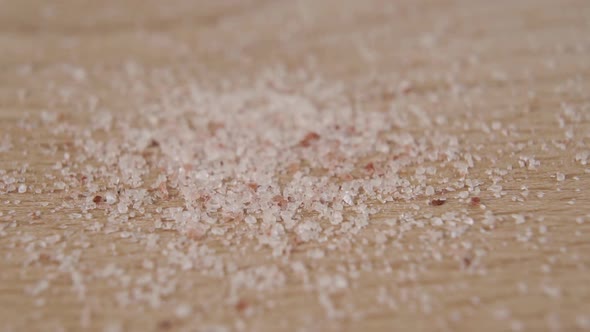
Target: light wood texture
{"type": "Point", "coordinates": [520, 61]}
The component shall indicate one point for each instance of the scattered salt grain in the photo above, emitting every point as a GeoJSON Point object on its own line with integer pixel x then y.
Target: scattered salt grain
{"type": "Point", "coordinates": [183, 311]}
{"type": "Point", "coordinates": [583, 157]}
{"type": "Point", "coordinates": [188, 169]}
{"type": "Point", "coordinates": [501, 314]}
{"type": "Point", "coordinates": [519, 219]}
{"type": "Point", "coordinates": [113, 327]}
{"type": "Point", "coordinates": [38, 288]}
{"type": "Point", "coordinates": [583, 322]}
{"type": "Point", "coordinates": [347, 199]}
{"type": "Point", "coordinates": [429, 191]}
{"type": "Point", "coordinates": [250, 220]}
{"type": "Point", "coordinates": [560, 177]}
{"type": "Point", "coordinates": [516, 326]}
{"type": "Point", "coordinates": [551, 291]}
{"type": "Point", "coordinates": [110, 198]}
{"type": "Point", "coordinates": [122, 207]}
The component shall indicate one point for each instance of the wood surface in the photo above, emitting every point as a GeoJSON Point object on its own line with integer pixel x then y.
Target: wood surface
{"type": "Point", "coordinates": [520, 64]}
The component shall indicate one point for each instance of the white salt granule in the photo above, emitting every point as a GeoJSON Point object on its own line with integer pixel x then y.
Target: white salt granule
{"type": "Point", "coordinates": [583, 157]}
{"type": "Point", "coordinates": [560, 177]}
{"type": "Point", "coordinates": [38, 288]}
{"type": "Point", "coordinates": [183, 311]}
{"type": "Point", "coordinates": [429, 191]}
{"type": "Point", "coordinates": [22, 188]}
{"type": "Point", "coordinates": [551, 291]}
{"type": "Point", "coordinates": [496, 189]}
{"type": "Point", "coordinates": [336, 218]}
{"type": "Point", "coordinates": [501, 314]}
{"type": "Point", "coordinates": [583, 321]}
{"type": "Point", "coordinates": [110, 198]}
{"type": "Point", "coordinates": [347, 198]}
{"type": "Point", "coordinates": [516, 326]}
{"type": "Point", "coordinates": [519, 219]}
{"type": "Point", "coordinates": [122, 207]}
{"type": "Point", "coordinates": [250, 220]}
{"type": "Point", "coordinates": [113, 327]}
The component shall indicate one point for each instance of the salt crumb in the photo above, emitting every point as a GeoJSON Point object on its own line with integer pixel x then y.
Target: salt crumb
{"type": "Point", "coordinates": [429, 191]}
{"type": "Point", "coordinates": [519, 219]}
{"type": "Point", "coordinates": [183, 311]}
{"type": "Point", "coordinates": [22, 188]}
{"type": "Point", "coordinates": [583, 322]}
{"type": "Point", "coordinates": [110, 198]}
{"type": "Point", "coordinates": [516, 326]}
{"type": "Point", "coordinates": [250, 220]}
{"type": "Point", "coordinates": [113, 327]}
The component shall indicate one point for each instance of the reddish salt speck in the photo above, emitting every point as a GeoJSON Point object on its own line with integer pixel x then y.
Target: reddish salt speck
{"type": "Point", "coordinates": [163, 190]}
{"type": "Point", "coordinates": [153, 144]}
{"type": "Point", "coordinates": [406, 87]}
{"type": "Point", "coordinates": [97, 199]}
{"type": "Point", "coordinates": [309, 139]}
{"type": "Point", "coordinates": [204, 198]}
{"type": "Point", "coordinates": [370, 167]}
{"type": "Point", "coordinates": [214, 126]}
{"type": "Point", "coordinates": [253, 186]}
{"type": "Point", "coordinates": [350, 130]}
{"type": "Point", "coordinates": [293, 168]}
{"type": "Point", "coordinates": [442, 191]}
{"type": "Point", "coordinates": [438, 202]}
{"type": "Point", "coordinates": [195, 233]}
{"type": "Point", "coordinates": [165, 324]}
{"type": "Point", "coordinates": [388, 95]}
{"type": "Point", "coordinates": [241, 305]}
{"type": "Point", "coordinates": [295, 241]}
{"type": "Point", "coordinates": [467, 261]}
{"type": "Point", "coordinates": [45, 258]}
{"type": "Point", "coordinates": [346, 177]}
{"type": "Point", "coordinates": [280, 201]}
{"type": "Point", "coordinates": [475, 201]}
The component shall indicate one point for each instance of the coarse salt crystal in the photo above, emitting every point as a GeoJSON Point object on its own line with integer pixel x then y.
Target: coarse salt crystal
{"type": "Point", "coordinates": [336, 218]}
{"type": "Point", "coordinates": [560, 177]}
{"type": "Point", "coordinates": [347, 199]}
{"type": "Point", "coordinates": [463, 194]}
{"type": "Point", "coordinates": [519, 219]}
{"type": "Point", "coordinates": [183, 311]}
{"type": "Point", "coordinates": [429, 191]}
{"type": "Point", "coordinates": [583, 322]}
{"type": "Point", "coordinates": [22, 188]}
{"type": "Point", "coordinates": [122, 207]}
{"type": "Point", "coordinates": [110, 198]}
{"type": "Point", "coordinates": [250, 220]}
{"type": "Point", "coordinates": [436, 221]}
{"type": "Point", "coordinates": [516, 326]}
